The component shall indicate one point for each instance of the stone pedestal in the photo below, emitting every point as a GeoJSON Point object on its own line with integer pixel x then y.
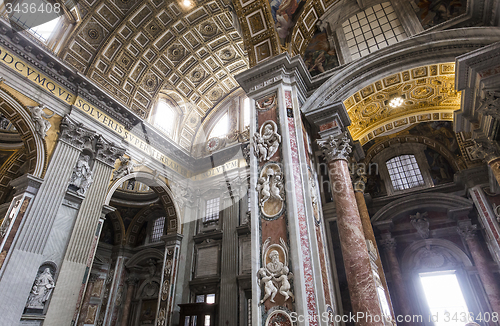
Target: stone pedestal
{"type": "Point", "coordinates": [362, 287]}
{"type": "Point", "coordinates": [490, 284]}
{"type": "Point", "coordinates": [389, 245]}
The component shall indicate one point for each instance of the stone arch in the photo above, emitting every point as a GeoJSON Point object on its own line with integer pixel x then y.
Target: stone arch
{"type": "Point", "coordinates": [139, 219]}
{"type": "Point", "coordinates": [118, 227]}
{"type": "Point", "coordinates": [35, 146]}
{"type": "Point", "coordinates": [448, 202]}
{"type": "Point", "coordinates": [143, 255]}
{"type": "Point", "coordinates": [446, 248]}
{"type": "Point", "coordinates": [160, 188]}
{"type": "Point", "coordinates": [430, 48]}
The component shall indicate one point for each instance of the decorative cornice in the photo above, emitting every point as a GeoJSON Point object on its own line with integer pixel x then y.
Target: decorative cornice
{"type": "Point", "coordinates": [336, 148]}
{"type": "Point", "coordinates": [108, 152]}
{"type": "Point", "coordinates": [486, 149]}
{"type": "Point", "coordinates": [74, 133]}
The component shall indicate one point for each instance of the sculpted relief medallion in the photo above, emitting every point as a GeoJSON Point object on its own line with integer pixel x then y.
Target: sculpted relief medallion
{"type": "Point", "coordinates": [271, 190]}
{"type": "Point", "coordinates": [267, 141]}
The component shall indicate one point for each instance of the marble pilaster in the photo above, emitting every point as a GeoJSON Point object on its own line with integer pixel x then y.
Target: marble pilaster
{"type": "Point", "coordinates": [21, 265]}
{"type": "Point", "coordinates": [362, 287]}
{"type": "Point", "coordinates": [490, 284]}
{"type": "Point", "coordinates": [131, 283]}
{"type": "Point", "coordinates": [389, 245]}
{"type": "Point", "coordinates": [82, 244]}
{"type": "Point", "coordinates": [86, 299]}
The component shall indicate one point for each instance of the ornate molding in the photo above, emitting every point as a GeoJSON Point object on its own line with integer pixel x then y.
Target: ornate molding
{"type": "Point", "coordinates": [336, 148]}
{"type": "Point", "coordinates": [74, 133]}
{"type": "Point", "coordinates": [108, 152]}
{"type": "Point", "coordinates": [466, 229]}
{"type": "Point", "coordinates": [387, 242]}
{"type": "Point", "coordinates": [486, 149]}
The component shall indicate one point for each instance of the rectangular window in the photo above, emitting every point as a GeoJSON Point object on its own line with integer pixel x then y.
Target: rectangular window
{"type": "Point", "coordinates": [444, 297]}
{"type": "Point", "coordinates": [41, 25]}
{"type": "Point", "coordinates": [404, 172]}
{"type": "Point", "coordinates": [372, 29]}
{"type": "Point", "coordinates": [157, 231]}
{"type": "Point", "coordinates": [212, 210]}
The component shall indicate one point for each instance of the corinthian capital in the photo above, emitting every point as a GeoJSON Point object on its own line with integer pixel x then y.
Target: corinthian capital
{"type": "Point", "coordinates": [108, 152]}
{"type": "Point", "coordinates": [387, 242]}
{"type": "Point", "coordinates": [74, 133]}
{"type": "Point", "coordinates": [336, 148]}
{"type": "Point", "coordinates": [486, 149]}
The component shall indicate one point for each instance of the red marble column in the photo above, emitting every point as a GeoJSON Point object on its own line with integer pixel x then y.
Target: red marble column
{"type": "Point", "coordinates": [467, 231]}
{"type": "Point", "coordinates": [362, 288]}
{"type": "Point", "coordinates": [86, 299]}
{"type": "Point", "coordinates": [389, 245]}
{"type": "Point", "coordinates": [126, 308]}
{"type": "Point", "coordinates": [369, 234]}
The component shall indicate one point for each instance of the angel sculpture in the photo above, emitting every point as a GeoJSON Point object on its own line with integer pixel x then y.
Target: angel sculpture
{"type": "Point", "coordinates": [126, 167]}
{"type": "Point", "coordinates": [266, 279]}
{"type": "Point", "coordinates": [272, 140]}
{"type": "Point", "coordinates": [285, 284]}
{"type": "Point", "coordinates": [259, 147]}
{"type": "Point", "coordinates": [276, 187]}
{"type": "Point", "coordinates": [264, 190]}
{"type": "Point", "coordinates": [37, 116]}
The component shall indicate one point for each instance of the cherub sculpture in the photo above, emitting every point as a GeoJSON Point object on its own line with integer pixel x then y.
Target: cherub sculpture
{"type": "Point", "coordinates": [37, 116]}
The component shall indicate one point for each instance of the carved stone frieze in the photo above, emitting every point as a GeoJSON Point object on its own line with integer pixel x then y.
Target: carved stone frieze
{"type": "Point", "coordinates": [336, 148]}
{"type": "Point", "coordinates": [75, 133]}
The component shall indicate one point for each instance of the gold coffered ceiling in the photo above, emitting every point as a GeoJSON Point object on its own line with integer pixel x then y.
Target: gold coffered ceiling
{"type": "Point", "coordinates": [135, 49]}
{"type": "Point", "coordinates": [428, 94]}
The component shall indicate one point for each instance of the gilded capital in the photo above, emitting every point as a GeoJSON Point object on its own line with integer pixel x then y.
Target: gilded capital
{"type": "Point", "coordinates": [336, 148]}
{"type": "Point", "coordinates": [74, 133]}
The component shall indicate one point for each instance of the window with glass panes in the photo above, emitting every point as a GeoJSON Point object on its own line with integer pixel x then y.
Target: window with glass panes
{"type": "Point", "coordinates": [212, 210]}
{"type": "Point", "coordinates": [404, 172]}
{"type": "Point", "coordinates": [157, 230]}
{"type": "Point", "coordinates": [372, 29]}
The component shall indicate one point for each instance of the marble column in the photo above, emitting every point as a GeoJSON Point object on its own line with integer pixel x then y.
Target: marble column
{"type": "Point", "coordinates": [86, 299]}
{"type": "Point", "coordinates": [21, 267]}
{"type": "Point", "coordinates": [389, 245]}
{"type": "Point", "coordinates": [359, 189]}
{"type": "Point", "coordinates": [83, 242]}
{"type": "Point", "coordinates": [131, 282]}
{"type": "Point", "coordinates": [362, 287]}
{"type": "Point", "coordinates": [490, 284]}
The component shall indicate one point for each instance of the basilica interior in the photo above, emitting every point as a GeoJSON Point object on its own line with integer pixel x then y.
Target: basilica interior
{"type": "Point", "coordinates": [249, 162]}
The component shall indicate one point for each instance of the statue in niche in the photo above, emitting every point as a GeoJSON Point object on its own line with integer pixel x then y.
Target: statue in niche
{"type": "Point", "coordinates": [7, 220]}
{"type": "Point", "coordinates": [126, 167]}
{"type": "Point", "coordinates": [81, 178]}
{"type": "Point", "coordinates": [41, 290]}
{"type": "Point", "coordinates": [38, 117]}
{"type": "Point", "coordinates": [266, 142]}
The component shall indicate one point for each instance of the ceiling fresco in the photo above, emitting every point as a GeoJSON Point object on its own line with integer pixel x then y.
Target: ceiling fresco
{"type": "Point", "coordinates": [427, 94]}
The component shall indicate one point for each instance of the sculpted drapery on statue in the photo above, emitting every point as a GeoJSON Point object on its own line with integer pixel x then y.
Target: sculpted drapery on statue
{"type": "Point", "coordinates": [38, 117]}
{"type": "Point", "coordinates": [41, 290]}
{"type": "Point", "coordinates": [126, 167]}
{"type": "Point", "coordinates": [81, 178]}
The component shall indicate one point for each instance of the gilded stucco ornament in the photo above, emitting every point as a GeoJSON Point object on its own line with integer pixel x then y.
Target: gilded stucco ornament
{"type": "Point", "coordinates": [274, 276]}
{"type": "Point", "coordinates": [267, 141]}
{"type": "Point", "coordinates": [336, 148]}
{"type": "Point", "coordinates": [38, 117]}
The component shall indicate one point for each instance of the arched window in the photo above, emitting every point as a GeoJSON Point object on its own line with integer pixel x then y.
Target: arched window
{"type": "Point", "coordinates": [404, 172]}
{"type": "Point", "coordinates": [165, 117]}
{"type": "Point", "coordinates": [43, 25]}
{"type": "Point", "coordinates": [221, 128]}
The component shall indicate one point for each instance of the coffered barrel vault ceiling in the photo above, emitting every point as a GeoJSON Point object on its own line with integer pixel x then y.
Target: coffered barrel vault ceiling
{"type": "Point", "coordinates": [428, 94]}
{"type": "Point", "coordinates": [135, 49]}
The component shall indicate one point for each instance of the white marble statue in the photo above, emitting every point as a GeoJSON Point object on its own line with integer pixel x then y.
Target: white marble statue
{"type": "Point", "coordinates": [266, 279]}
{"type": "Point", "coordinates": [266, 143]}
{"type": "Point", "coordinates": [264, 190]}
{"type": "Point", "coordinates": [40, 293]}
{"type": "Point", "coordinates": [284, 284]}
{"type": "Point", "coordinates": [126, 167]}
{"type": "Point", "coordinates": [274, 266]}
{"type": "Point", "coordinates": [37, 116]}
{"type": "Point", "coordinates": [82, 175]}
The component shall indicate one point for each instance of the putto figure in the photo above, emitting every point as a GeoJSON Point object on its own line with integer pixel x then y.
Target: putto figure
{"type": "Point", "coordinates": [40, 293]}
{"type": "Point", "coordinates": [37, 116]}
{"type": "Point", "coordinates": [126, 167]}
